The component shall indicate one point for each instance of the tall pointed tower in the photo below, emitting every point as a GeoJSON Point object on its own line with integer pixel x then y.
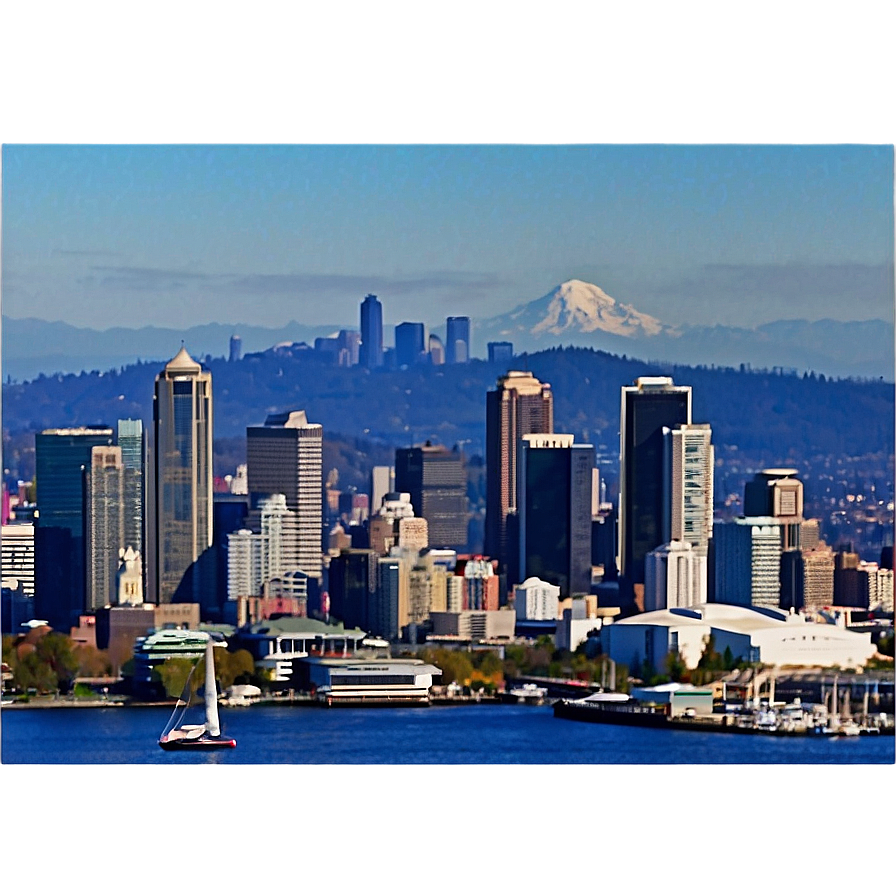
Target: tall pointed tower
{"type": "Point", "coordinates": [182, 418]}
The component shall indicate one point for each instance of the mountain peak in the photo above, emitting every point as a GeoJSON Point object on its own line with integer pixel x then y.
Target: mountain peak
{"type": "Point", "coordinates": [584, 308]}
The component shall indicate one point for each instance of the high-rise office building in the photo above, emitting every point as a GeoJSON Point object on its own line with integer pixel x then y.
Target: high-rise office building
{"type": "Point", "coordinates": [436, 350]}
{"type": "Point", "coordinates": [182, 419]}
{"type": "Point", "coordinates": [555, 511]}
{"type": "Point", "coordinates": [520, 404]}
{"type": "Point", "coordinates": [389, 604]}
{"type": "Point", "coordinates": [647, 407]}
{"type": "Point", "coordinates": [500, 352]}
{"type": "Point", "coordinates": [382, 482]}
{"type": "Point", "coordinates": [61, 455]}
{"type": "Point", "coordinates": [674, 576]}
{"type": "Point", "coordinates": [371, 349]}
{"type": "Point", "coordinates": [436, 480]}
{"type": "Point", "coordinates": [285, 457]}
{"type": "Point", "coordinates": [778, 493]}
{"type": "Point", "coordinates": [133, 459]}
{"type": "Point", "coordinates": [689, 464]}
{"type": "Point", "coordinates": [104, 524]}
{"type": "Point", "coordinates": [457, 342]}
{"type": "Point", "coordinates": [410, 344]}
{"type": "Point", "coordinates": [353, 584]}
{"type": "Point", "coordinates": [748, 562]}
{"type": "Point", "coordinates": [17, 552]}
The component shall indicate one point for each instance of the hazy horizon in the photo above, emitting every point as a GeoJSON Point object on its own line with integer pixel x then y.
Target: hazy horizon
{"type": "Point", "coordinates": [180, 236]}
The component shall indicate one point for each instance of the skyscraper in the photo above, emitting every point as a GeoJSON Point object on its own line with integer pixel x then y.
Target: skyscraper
{"type": "Point", "coordinates": [748, 561]}
{"type": "Point", "coordinates": [457, 341]}
{"type": "Point", "coordinates": [285, 457]}
{"type": "Point", "coordinates": [520, 404]}
{"type": "Point", "coordinates": [647, 407]}
{"type": "Point", "coordinates": [182, 419]}
{"type": "Point", "coordinates": [410, 343]}
{"type": "Point", "coordinates": [688, 498]}
{"type": "Point", "coordinates": [778, 493]}
{"type": "Point", "coordinates": [500, 352]}
{"type": "Point", "coordinates": [436, 480]}
{"type": "Point", "coordinates": [555, 511]}
{"type": "Point", "coordinates": [61, 456]}
{"type": "Point", "coordinates": [104, 524]}
{"type": "Point", "coordinates": [371, 350]}
{"type": "Point", "coordinates": [133, 458]}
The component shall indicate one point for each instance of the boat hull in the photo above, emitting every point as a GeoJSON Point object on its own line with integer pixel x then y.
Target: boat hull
{"type": "Point", "coordinates": [199, 743]}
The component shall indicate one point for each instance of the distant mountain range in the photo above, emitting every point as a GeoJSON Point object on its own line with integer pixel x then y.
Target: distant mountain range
{"type": "Point", "coordinates": [583, 315]}
{"type": "Point", "coordinates": [575, 313]}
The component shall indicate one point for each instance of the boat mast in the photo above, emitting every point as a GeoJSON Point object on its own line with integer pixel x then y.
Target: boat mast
{"type": "Point", "coordinates": [212, 724]}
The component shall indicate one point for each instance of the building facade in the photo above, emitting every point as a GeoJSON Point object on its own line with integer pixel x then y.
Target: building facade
{"type": "Point", "coordinates": [436, 480]}
{"type": "Point", "coordinates": [457, 341]}
{"type": "Point", "coordinates": [748, 562]}
{"type": "Point", "coordinates": [410, 344]}
{"type": "Point", "coordinates": [285, 457]}
{"type": "Point", "coordinates": [554, 492]}
{"type": "Point", "coordinates": [370, 352]}
{"type": "Point", "coordinates": [652, 404]}
{"type": "Point", "coordinates": [182, 419]}
{"type": "Point", "coordinates": [61, 455]}
{"type": "Point", "coordinates": [104, 524]}
{"type": "Point", "coordinates": [520, 404]}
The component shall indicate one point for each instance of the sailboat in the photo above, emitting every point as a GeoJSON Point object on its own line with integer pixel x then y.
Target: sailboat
{"type": "Point", "coordinates": [198, 737]}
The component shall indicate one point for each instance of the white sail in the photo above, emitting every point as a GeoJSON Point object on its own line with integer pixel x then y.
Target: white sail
{"type": "Point", "coordinates": [211, 692]}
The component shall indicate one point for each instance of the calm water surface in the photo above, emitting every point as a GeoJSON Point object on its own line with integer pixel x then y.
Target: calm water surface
{"type": "Point", "coordinates": [445, 735]}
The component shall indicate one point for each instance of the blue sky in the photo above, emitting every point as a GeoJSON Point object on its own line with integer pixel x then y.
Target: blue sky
{"type": "Point", "coordinates": [179, 235]}
{"type": "Point", "coordinates": [177, 163]}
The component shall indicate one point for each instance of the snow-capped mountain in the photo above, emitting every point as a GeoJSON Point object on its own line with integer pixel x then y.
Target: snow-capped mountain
{"type": "Point", "coordinates": [572, 310]}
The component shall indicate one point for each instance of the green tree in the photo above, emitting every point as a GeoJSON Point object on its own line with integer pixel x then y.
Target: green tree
{"type": "Point", "coordinates": [676, 667]}
{"type": "Point", "coordinates": [92, 662]}
{"type": "Point", "coordinates": [174, 673]}
{"type": "Point", "coordinates": [231, 666]}
{"type": "Point", "coordinates": [57, 651]}
{"type": "Point", "coordinates": [33, 672]}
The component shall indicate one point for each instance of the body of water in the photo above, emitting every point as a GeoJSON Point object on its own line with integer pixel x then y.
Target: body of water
{"type": "Point", "coordinates": [442, 735]}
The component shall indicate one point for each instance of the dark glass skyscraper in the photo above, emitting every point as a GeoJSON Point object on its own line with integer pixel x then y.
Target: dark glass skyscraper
{"type": "Point", "coordinates": [371, 351]}
{"type": "Point", "coordinates": [648, 406]}
{"type": "Point", "coordinates": [410, 339]}
{"type": "Point", "coordinates": [436, 480]}
{"type": "Point", "coordinates": [555, 512]}
{"type": "Point", "coordinates": [457, 342]}
{"type": "Point", "coordinates": [62, 455]}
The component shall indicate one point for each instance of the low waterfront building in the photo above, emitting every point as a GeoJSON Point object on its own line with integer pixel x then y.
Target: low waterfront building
{"type": "Point", "coordinates": [335, 681]}
{"type": "Point", "coordinates": [277, 644]}
{"type": "Point", "coordinates": [678, 697]}
{"type": "Point", "coordinates": [753, 634]}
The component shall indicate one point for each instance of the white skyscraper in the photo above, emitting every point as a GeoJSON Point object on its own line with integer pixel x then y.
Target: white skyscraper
{"type": "Point", "coordinates": [688, 464]}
